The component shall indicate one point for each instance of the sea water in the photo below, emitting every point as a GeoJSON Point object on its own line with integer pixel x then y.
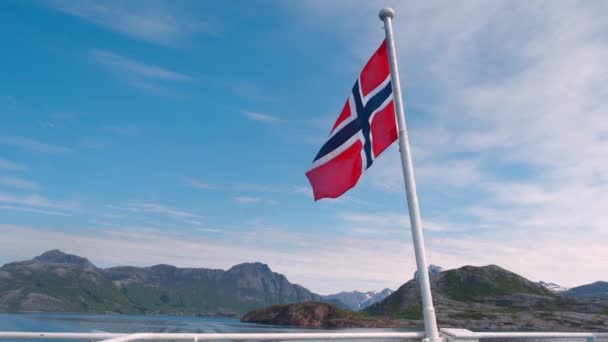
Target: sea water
{"type": "Point", "coordinates": [44, 322]}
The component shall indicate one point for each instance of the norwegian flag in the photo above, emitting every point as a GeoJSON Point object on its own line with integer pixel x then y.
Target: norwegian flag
{"type": "Point", "coordinates": [366, 127]}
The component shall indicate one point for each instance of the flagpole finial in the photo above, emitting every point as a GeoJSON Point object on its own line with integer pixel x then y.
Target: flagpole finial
{"type": "Point", "coordinates": [386, 12]}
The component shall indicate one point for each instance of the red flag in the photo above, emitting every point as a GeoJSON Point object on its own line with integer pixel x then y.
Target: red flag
{"type": "Point", "coordinates": [364, 129]}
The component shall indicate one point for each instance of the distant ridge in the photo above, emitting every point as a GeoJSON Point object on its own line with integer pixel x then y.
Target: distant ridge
{"type": "Point", "coordinates": [599, 289]}
{"type": "Point", "coordinates": [356, 300]}
{"type": "Point", "coordinates": [60, 282]}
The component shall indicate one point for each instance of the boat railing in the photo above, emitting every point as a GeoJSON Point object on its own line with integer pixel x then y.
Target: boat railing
{"type": "Point", "coordinates": [448, 335]}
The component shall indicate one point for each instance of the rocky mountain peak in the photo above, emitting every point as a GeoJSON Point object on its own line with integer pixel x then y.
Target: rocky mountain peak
{"type": "Point", "coordinates": [386, 292]}
{"type": "Point", "coordinates": [553, 287]}
{"type": "Point", "coordinates": [56, 256]}
{"type": "Point", "coordinates": [162, 268]}
{"type": "Point", "coordinates": [434, 270]}
{"type": "Point", "coordinates": [472, 282]}
{"type": "Point", "coordinates": [250, 267]}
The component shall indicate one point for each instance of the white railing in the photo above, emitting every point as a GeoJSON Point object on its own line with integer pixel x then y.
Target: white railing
{"type": "Point", "coordinates": [462, 335]}
{"type": "Point", "coordinates": [448, 335]}
{"type": "Point", "coordinates": [110, 337]}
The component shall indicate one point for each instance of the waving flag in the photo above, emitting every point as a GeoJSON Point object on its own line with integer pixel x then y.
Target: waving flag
{"type": "Point", "coordinates": [365, 127]}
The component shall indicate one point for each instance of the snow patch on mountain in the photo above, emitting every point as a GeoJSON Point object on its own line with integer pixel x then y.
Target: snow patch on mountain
{"type": "Point", "coordinates": [553, 287]}
{"type": "Point", "coordinates": [356, 300]}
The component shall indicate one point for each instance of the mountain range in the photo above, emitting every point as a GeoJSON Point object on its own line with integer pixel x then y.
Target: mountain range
{"type": "Point", "coordinates": [59, 282]}
{"type": "Point", "coordinates": [476, 298]}
{"type": "Point", "coordinates": [479, 298]}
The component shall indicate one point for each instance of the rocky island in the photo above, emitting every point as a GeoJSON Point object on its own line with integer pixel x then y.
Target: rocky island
{"type": "Point", "coordinates": [320, 315]}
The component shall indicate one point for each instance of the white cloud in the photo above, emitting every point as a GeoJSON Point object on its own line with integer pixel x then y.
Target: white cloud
{"type": "Point", "coordinates": [198, 184]}
{"type": "Point", "coordinates": [209, 230]}
{"type": "Point", "coordinates": [250, 187]}
{"type": "Point", "coordinates": [194, 222]}
{"type": "Point", "coordinates": [435, 226]}
{"type": "Point", "coordinates": [258, 188]}
{"type": "Point", "coordinates": [366, 223]}
{"type": "Point", "coordinates": [254, 199]}
{"type": "Point", "coordinates": [265, 188]}
{"type": "Point", "coordinates": [37, 204]}
{"type": "Point", "coordinates": [16, 182]}
{"type": "Point", "coordinates": [245, 199]}
{"type": "Point", "coordinates": [150, 21]}
{"type": "Point", "coordinates": [303, 190]}
{"type": "Point", "coordinates": [432, 170]}
{"type": "Point", "coordinates": [261, 117]}
{"type": "Point", "coordinates": [141, 76]}
{"type": "Point", "coordinates": [32, 145]}
{"type": "Point", "coordinates": [6, 164]}
{"type": "Point", "coordinates": [32, 210]}
{"type": "Point", "coordinates": [156, 208]}
{"type": "Point", "coordinates": [377, 219]}
{"type": "Point", "coordinates": [124, 65]}
{"type": "Point", "coordinates": [111, 216]}
{"type": "Point", "coordinates": [35, 200]}
{"type": "Point", "coordinates": [292, 190]}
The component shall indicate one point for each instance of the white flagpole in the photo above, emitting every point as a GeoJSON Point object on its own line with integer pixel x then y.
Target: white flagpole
{"type": "Point", "coordinates": [430, 322]}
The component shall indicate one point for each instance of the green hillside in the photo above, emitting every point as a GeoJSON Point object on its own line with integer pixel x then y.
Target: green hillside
{"type": "Point", "coordinates": [59, 282]}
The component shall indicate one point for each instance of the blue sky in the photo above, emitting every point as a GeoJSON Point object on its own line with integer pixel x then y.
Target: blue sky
{"type": "Point", "coordinates": [179, 132]}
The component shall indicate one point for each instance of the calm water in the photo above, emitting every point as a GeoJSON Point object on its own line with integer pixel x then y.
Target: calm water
{"type": "Point", "coordinates": [135, 323]}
